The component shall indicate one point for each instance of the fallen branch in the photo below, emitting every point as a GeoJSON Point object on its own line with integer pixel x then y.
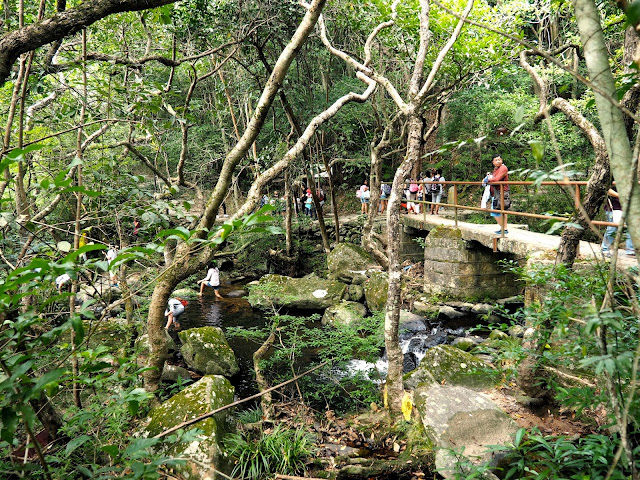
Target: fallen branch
{"type": "Point", "coordinates": [253, 397]}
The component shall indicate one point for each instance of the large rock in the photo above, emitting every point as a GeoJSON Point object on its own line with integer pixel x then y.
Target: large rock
{"type": "Point", "coordinates": [458, 419]}
{"type": "Point", "coordinates": [375, 291]}
{"type": "Point", "coordinates": [142, 347]}
{"type": "Point", "coordinates": [452, 366]}
{"type": "Point", "coordinates": [206, 454]}
{"type": "Point", "coordinates": [344, 313]}
{"type": "Point", "coordinates": [308, 293]}
{"type": "Point", "coordinates": [185, 293]}
{"type": "Point", "coordinates": [348, 263]}
{"type": "Point", "coordinates": [206, 349]}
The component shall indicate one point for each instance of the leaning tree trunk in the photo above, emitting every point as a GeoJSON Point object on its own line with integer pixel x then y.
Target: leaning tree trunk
{"type": "Point", "coordinates": [184, 263]}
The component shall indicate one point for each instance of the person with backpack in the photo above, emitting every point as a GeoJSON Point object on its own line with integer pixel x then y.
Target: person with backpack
{"type": "Point", "coordinates": [385, 191]}
{"type": "Point", "coordinates": [436, 192]}
{"type": "Point", "coordinates": [211, 280]}
{"type": "Point", "coordinates": [175, 308]}
{"type": "Point", "coordinates": [427, 188]}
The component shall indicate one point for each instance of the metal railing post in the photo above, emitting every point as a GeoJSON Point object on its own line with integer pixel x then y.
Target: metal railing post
{"type": "Point", "coordinates": [455, 202]}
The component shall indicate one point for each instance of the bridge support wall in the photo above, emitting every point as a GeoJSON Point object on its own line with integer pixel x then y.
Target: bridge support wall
{"type": "Point", "coordinates": [464, 269]}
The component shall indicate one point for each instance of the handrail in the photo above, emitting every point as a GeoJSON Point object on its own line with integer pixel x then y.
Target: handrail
{"type": "Point", "coordinates": [455, 205]}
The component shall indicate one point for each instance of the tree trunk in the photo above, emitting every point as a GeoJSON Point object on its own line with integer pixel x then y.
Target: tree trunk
{"type": "Point", "coordinates": [611, 119]}
{"type": "Point", "coordinates": [185, 264]}
{"type": "Point", "coordinates": [266, 400]}
{"type": "Point", "coordinates": [623, 164]}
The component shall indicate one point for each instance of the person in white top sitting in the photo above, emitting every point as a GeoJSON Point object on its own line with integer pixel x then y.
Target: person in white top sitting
{"type": "Point", "coordinates": [211, 280]}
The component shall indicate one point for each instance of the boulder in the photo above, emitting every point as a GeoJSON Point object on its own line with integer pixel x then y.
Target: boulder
{"type": "Point", "coordinates": [142, 347]}
{"type": "Point", "coordinates": [185, 293]}
{"type": "Point", "coordinates": [449, 313]}
{"type": "Point", "coordinates": [239, 293]}
{"type": "Point", "coordinates": [449, 365]}
{"type": "Point", "coordinates": [425, 309]}
{"type": "Point", "coordinates": [173, 373]}
{"type": "Point", "coordinates": [204, 455]}
{"type": "Point", "coordinates": [375, 291]}
{"type": "Point", "coordinates": [462, 420]}
{"type": "Point", "coordinates": [308, 293]}
{"type": "Point", "coordinates": [355, 293]}
{"type": "Point", "coordinates": [206, 350]}
{"type": "Point", "coordinates": [344, 313]}
{"type": "Point", "coordinates": [348, 263]}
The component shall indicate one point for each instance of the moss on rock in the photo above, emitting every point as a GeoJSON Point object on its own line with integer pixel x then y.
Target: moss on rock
{"type": "Point", "coordinates": [206, 349]}
{"type": "Point", "coordinates": [451, 366]}
{"type": "Point", "coordinates": [344, 313]}
{"type": "Point", "coordinates": [375, 291]}
{"type": "Point", "coordinates": [208, 394]}
{"type": "Point", "coordinates": [307, 293]}
{"type": "Point", "coordinates": [348, 262]}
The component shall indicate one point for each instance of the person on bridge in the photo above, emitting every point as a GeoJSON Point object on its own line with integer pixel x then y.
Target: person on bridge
{"type": "Point", "coordinates": [613, 211]}
{"type": "Point", "coordinates": [436, 192]}
{"type": "Point", "coordinates": [500, 174]}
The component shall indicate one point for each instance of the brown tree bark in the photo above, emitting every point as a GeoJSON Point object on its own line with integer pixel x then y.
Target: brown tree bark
{"type": "Point", "coordinates": [185, 262]}
{"type": "Point", "coordinates": [62, 24]}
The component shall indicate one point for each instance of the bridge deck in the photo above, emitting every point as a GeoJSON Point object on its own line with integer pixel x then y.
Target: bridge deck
{"type": "Point", "coordinates": [518, 241]}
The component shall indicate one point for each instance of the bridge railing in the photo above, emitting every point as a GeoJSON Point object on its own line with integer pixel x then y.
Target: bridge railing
{"type": "Point", "coordinates": [574, 184]}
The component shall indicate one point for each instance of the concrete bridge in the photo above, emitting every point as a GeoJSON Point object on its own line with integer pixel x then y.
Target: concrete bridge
{"type": "Point", "coordinates": [463, 261]}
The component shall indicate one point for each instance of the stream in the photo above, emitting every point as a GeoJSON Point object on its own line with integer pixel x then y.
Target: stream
{"type": "Point", "coordinates": [417, 335]}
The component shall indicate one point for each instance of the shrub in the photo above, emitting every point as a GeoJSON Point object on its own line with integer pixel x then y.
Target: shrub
{"type": "Point", "coordinates": [276, 451]}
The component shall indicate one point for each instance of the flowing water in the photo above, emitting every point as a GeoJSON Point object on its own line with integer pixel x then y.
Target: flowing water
{"type": "Point", "coordinates": [416, 336]}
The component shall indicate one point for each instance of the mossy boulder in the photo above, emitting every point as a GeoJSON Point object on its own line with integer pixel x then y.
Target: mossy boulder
{"type": "Point", "coordinates": [375, 291]}
{"type": "Point", "coordinates": [206, 453]}
{"type": "Point", "coordinates": [355, 293]}
{"type": "Point", "coordinates": [110, 333]}
{"type": "Point", "coordinates": [344, 313]}
{"type": "Point", "coordinates": [458, 418]}
{"type": "Point", "coordinates": [185, 293]}
{"type": "Point", "coordinates": [206, 350]}
{"type": "Point", "coordinates": [452, 366]}
{"type": "Point", "coordinates": [307, 293]}
{"type": "Point", "coordinates": [142, 347]}
{"type": "Point", "coordinates": [348, 263]}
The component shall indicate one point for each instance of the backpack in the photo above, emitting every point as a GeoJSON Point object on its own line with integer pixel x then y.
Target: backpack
{"type": "Point", "coordinates": [413, 187]}
{"type": "Point", "coordinates": [386, 188]}
{"type": "Point", "coordinates": [182, 301]}
{"type": "Point", "coordinates": [435, 187]}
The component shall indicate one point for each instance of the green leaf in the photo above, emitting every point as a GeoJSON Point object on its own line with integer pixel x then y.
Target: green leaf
{"type": "Point", "coordinates": [17, 154]}
{"type": "Point", "coordinates": [75, 443]}
{"type": "Point", "coordinates": [133, 406]}
{"type": "Point", "coordinates": [78, 328]}
{"type": "Point", "coordinates": [64, 246]}
{"type": "Point", "coordinates": [44, 380]}
{"type": "Point", "coordinates": [112, 450]}
{"type": "Point", "coordinates": [179, 233]}
{"type": "Point", "coordinates": [633, 13]}
{"type": "Point", "coordinates": [537, 150]}
{"type": "Point", "coordinates": [9, 424]}
{"type": "Point", "coordinates": [519, 115]}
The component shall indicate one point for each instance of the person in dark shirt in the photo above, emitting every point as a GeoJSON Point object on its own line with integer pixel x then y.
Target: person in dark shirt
{"type": "Point", "coordinates": [613, 212]}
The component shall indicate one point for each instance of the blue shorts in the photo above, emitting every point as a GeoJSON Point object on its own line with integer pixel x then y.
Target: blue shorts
{"type": "Point", "coordinates": [215, 287]}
